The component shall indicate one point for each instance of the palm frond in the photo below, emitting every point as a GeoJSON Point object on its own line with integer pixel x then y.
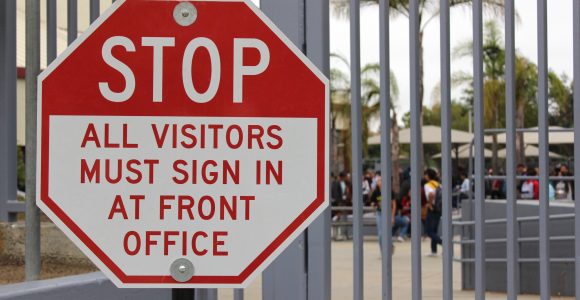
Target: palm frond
{"type": "Point", "coordinates": [460, 77]}
{"type": "Point", "coordinates": [493, 8]}
{"type": "Point", "coordinates": [340, 58]}
{"type": "Point", "coordinates": [340, 8]}
{"type": "Point", "coordinates": [457, 79]}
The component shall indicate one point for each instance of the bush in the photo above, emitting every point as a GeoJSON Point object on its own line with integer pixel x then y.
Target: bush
{"type": "Point", "coordinates": [21, 169]}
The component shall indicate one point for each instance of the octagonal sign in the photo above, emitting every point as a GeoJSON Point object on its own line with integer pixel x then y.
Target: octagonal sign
{"type": "Point", "coordinates": [182, 143]}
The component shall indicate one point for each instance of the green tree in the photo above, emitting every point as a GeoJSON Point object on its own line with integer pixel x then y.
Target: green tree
{"type": "Point", "coordinates": [493, 83]}
{"type": "Point", "coordinates": [525, 85]}
{"type": "Point", "coordinates": [370, 88]}
{"type": "Point", "coordinates": [432, 116]}
{"type": "Point", "coordinates": [561, 104]}
{"type": "Point", "coordinates": [428, 11]}
{"type": "Point", "coordinates": [371, 93]}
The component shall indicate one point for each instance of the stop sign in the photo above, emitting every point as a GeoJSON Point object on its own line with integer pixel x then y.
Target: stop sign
{"type": "Point", "coordinates": [182, 143]}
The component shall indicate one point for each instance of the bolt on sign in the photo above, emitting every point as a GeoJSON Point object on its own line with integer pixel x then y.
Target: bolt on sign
{"type": "Point", "coordinates": [182, 143]}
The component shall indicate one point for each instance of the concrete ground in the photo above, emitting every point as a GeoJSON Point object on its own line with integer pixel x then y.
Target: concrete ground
{"type": "Point", "coordinates": [342, 275]}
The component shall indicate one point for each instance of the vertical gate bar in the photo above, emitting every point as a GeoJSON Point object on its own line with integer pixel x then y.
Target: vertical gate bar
{"type": "Point", "coordinates": [469, 214]}
{"type": "Point", "coordinates": [8, 155]}
{"type": "Point", "coordinates": [386, 163]}
{"type": "Point", "coordinates": [211, 294]}
{"type": "Point", "coordinates": [479, 155]}
{"type": "Point", "coordinates": [356, 120]}
{"type": "Point", "coordinates": [50, 31]}
{"type": "Point", "coordinates": [238, 294]}
{"type": "Point", "coordinates": [447, 185]}
{"type": "Point", "coordinates": [416, 144]}
{"type": "Point", "coordinates": [576, 43]}
{"type": "Point", "coordinates": [511, 193]}
{"type": "Point", "coordinates": [286, 277]}
{"type": "Point", "coordinates": [71, 20]}
{"type": "Point", "coordinates": [32, 249]}
{"type": "Point", "coordinates": [317, 15]}
{"type": "Point", "coordinates": [544, 222]}
{"type": "Point", "coordinates": [95, 9]}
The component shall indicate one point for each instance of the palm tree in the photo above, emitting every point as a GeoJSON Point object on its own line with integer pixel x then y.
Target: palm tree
{"type": "Point", "coordinates": [428, 11]}
{"type": "Point", "coordinates": [493, 84]}
{"type": "Point", "coordinates": [340, 105]}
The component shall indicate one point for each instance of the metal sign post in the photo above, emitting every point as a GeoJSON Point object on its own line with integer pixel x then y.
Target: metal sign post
{"type": "Point", "coordinates": [182, 294]}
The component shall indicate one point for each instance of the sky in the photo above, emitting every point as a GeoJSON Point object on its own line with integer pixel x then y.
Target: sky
{"type": "Point", "coordinates": [559, 43]}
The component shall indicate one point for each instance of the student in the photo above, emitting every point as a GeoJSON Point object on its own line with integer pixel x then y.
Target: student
{"type": "Point", "coordinates": [531, 187]}
{"type": "Point", "coordinates": [568, 184]}
{"type": "Point", "coordinates": [403, 217]}
{"type": "Point", "coordinates": [432, 188]}
{"type": "Point", "coordinates": [396, 221]}
{"type": "Point", "coordinates": [520, 171]}
{"type": "Point", "coordinates": [463, 189]}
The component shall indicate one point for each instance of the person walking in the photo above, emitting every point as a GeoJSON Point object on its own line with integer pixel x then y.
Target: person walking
{"type": "Point", "coordinates": [376, 201]}
{"type": "Point", "coordinates": [432, 190]}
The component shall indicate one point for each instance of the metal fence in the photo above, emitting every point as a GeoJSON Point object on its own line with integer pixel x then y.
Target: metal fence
{"type": "Point", "coordinates": [512, 240]}
{"type": "Point", "coordinates": [303, 270]}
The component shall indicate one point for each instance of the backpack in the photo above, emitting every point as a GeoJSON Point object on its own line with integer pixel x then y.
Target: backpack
{"type": "Point", "coordinates": [438, 205]}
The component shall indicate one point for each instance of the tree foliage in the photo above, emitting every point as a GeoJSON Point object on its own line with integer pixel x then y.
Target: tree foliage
{"type": "Point", "coordinates": [370, 92]}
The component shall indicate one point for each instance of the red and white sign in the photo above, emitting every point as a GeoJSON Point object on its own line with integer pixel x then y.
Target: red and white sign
{"type": "Point", "coordinates": [161, 141]}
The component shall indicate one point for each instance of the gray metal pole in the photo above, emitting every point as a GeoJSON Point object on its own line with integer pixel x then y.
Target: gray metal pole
{"type": "Point", "coordinates": [416, 145]}
{"type": "Point", "coordinates": [544, 211]}
{"type": "Point", "coordinates": [447, 184]}
{"type": "Point", "coordinates": [386, 163]}
{"type": "Point", "coordinates": [469, 215]}
{"type": "Point", "coordinates": [318, 252]}
{"type": "Point", "coordinates": [576, 43]}
{"type": "Point", "coordinates": [32, 246]}
{"type": "Point", "coordinates": [50, 30]}
{"type": "Point", "coordinates": [238, 294]}
{"type": "Point", "coordinates": [71, 18]}
{"type": "Point", "coordinates": [511, 190]}
{"type": "Point", "coordinates": [95, 10]}
{"type": "Point", "coordinates": [479, 155]}
{"type": "Point", "coordinates": [7, 108]}
{"type": "Point", "coordinates": [286, 278]}
{"type": "Point", "coordinates": [356, 121]}
{"type": "Point", "coordinates": [204, 294]}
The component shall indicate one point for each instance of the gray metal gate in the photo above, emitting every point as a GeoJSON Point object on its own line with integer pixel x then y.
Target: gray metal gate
{"type": "Point", "coordinates": [303, 270]}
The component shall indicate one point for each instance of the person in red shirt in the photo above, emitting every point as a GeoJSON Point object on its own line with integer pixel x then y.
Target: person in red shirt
{"type": "Point", "coordinates": [531, 187]}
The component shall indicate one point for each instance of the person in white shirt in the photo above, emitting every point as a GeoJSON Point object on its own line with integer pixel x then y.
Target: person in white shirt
{"type": "Point", "coordinates": [366, 190]}
{"type": "Point", "coordinates": [433, 214]}
{"type": "Point", "coordinates": [465, 186]}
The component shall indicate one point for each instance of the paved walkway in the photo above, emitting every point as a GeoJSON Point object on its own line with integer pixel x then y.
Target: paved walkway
{"type": "Point", "coordinates": [342, 275]}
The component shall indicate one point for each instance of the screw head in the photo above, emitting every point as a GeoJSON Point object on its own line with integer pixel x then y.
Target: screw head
{"type": "Point", "coordinates": [184, 13]}
{"type": "Point", "coordinates": [181, 270]}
